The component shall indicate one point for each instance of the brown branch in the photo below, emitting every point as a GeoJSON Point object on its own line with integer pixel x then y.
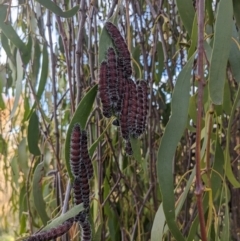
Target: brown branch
{"type": "Point", "coordinates": [200, 75]}
{"type": "Point", "coordinates": [68, 60]}
{"type": "Point", "coordinates": [79, 49]}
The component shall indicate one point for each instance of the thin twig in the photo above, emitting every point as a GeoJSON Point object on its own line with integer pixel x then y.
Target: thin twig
{"type": "Point", "coordinates": [53, 65]}
{"type": "Point", "coordinates": [140, 211]}
{"type": "Point", "coordinates": [200, 74]}
{"type": "Point", "coordinates": [68, 59]}
{"type": "Point", "coordinates": [79, 50]}
{"type": "Point", "coordinates": [164, 46]}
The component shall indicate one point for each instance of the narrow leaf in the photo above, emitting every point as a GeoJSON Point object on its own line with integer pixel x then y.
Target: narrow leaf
{"type": "Point", "coordinates": [33, 134]}
{"type": "Point", "coordinates": [6, 47]}
{"type": "Point", "coordinates": [18, 84]}
{"type": "Point", "coordinates": [37, 193]}
{"type": "Point", "coordinates": [69, 214]}
{"type": "Point", "coordinates": [80, 116]}
{"type": "Point", "coordinates": [57, 10]}
{"type": "Point", "coordinates": [234, 56]}
{"type": "Point", "coordinates": [170, 139]}
{"type": "Point", "coordinates": [220, 53]}
{"type": "Point", "coordinates": [186, 12]}
{"type": "Point", "coordinates": [9, 32]}
{"type": "Point", "coordinates": [157, 231]}
{"type": "Point", "coordinates": [105, 42]}
{"type": "Point", "coordinates": [135, 143]}
{"type": "Point", "coordinates": [236, 8]}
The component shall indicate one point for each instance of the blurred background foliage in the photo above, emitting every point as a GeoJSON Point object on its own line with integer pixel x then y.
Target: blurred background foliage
{"type": "Point", "coordinates": [50, 55]}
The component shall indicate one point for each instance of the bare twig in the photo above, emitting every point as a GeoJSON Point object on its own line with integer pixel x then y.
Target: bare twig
{"type": "Point", "coordinates": [200, 75]}
{"type": "Point", "coordinates": [155, 16]}
{"type": "Point", "coordinates": [79, 49]}
{"type": "Point", "coordinates": [68, 59]}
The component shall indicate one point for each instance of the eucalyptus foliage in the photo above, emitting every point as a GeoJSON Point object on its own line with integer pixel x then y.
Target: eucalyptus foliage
{"type": "Point", "coordinates": [50, 56]}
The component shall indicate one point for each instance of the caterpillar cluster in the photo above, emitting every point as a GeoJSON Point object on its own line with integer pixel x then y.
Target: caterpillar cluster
{"type": "Point", "coordinates": [82, 169]}
{"type": "Point", "coordinates": [52, 233]}
{"type": "Point", "coordinates": [119, 94]}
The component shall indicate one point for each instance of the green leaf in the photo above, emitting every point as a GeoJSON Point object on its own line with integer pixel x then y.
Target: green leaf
{"type": "Point", "coordinates": [220, 53]}
{"type": "Point", "coordinates": [160, 59]}
{"type": "Point", "coordinates": [6, 47]}
{"type": "Point", "coordinates": [157, 231]}
{"type": "Point", "coordinates": [169, 142]}
{"type": "Point", "coordinates": [210, 15]}
{"type": "Point", "coordinates": [37, 193]}
{"type": "Point", "coordinates": [44, 72]}
{"type": "Point", "coordinates": [194, 37]}
{"type": "Point", "coordinates": [33, 134]}
{"type": "Point", "coordinates": [9, 32]}
{"type": "Point", "coordinates": [3, 146]}
{"type": "Point", "coordinates": [234, 55]}
{"type": "Point", "coordinates": [80, 116]}
{"type": "Point", "coordinates": [236, 9]}
{"type": "Point", "coordinates": [69, 214]}
{"type": "Point", "coordinates": [36, 61]}
{"type": "Point", "coordinates": [23, 157]}
{"type": "Point", "coordinates": [105, 42]}
{"type": "Point", "coordinates": [227, 164]}
{"type": "Point", "coordinates": [186, 12]}
{"type": "Point", "coordinates": [18, 84]}
{"type": "Point", "coordinates": [57, 10]}
{"type": "Point", "coordinates": [135, 143]}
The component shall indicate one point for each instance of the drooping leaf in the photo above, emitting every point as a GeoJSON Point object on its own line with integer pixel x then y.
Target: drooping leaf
{"type": "Point", "coordinates": [105, 42]}
{"type": "Point", "coordinates": [160, 59]}
{"type": "Point", "coordinates": [234, 55]}
{"type": "Point", "coordinates": [69, 214]}
{"type": "Point", "coordinates": [220, 53]}
{"type": "Point", "coordinates": [236, 9]}
{"type": "Point", "coordinates": [57, 10]}
{"type": "Point", "coordinates": [157, 231]}
{"type": "Point", "coordinates": [186, 12]}
{"type": "Point", "coordinates": [135, 143]}
{"type": "Point", "coordinates": [33, 133]}
{"type": "Point", "coordinates": [36, 62]}
{"type": "Point", "coordinates": [3, 145]}
{"type": "Point", "coordinates": [9, 32]}
{"type": "Point", "coordinates": [6, 47]}
{"type": "Point", "coordinates": [23, 157]}
{"type": "Point", "coordinates": [80, 116]}
{"type": "Point", "coordinates": [170, 139]}
{"type": "Point", "coordinates": [44, 72]}
{"type": "Point", "coordinates": [18, 84]}
{"type": "Point", "coordinates": [39, 202]}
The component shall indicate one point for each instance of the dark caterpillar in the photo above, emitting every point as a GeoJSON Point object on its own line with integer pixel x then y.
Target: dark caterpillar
{"type": "Point", "coordinates": [133, 107]}
{"type": "Point", "coordinates": [124, 115]}
{"type": "Point", "coordinates": [86, 231]}
{"type": "Point", "coordinates": [103, 90]}
{"type": "Point", "coordinates": [75, 154]}
{"type": "Point", "coordinates": [85, 158]}
{"type": "Point", "coordinates": [128, 148]}
{"type": "Point", "coordinates": [121, 47]}
{"type": "Point", "coordinates": [112, 77]}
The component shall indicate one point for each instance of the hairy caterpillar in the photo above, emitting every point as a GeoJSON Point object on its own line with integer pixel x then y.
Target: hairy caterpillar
{"type": "Point", "coordinates": [75, 154]}
{"type": "Point", "coordinates": [103, 90]}
{"type": "Point", "coordinates": [121, 47]}
{"type": "Point", "coordinates": [112, 77]}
